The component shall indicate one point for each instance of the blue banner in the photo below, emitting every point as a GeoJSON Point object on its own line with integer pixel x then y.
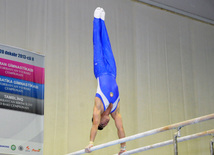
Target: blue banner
{"type": "Point", "coordinates": [21, 87]}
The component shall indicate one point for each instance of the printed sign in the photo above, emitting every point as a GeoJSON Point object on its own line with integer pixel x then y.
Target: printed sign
{"type": "Point", "coordinates": [22, 75]}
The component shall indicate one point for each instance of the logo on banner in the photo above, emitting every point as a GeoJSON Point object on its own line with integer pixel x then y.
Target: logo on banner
{"type": "Point", "coordinates": [27, 149]}
{"type": "Point", "coordinates": [13, 147]}
{"type": "Point", "coordinates": [36, 150]}
{"type": "Point", "coordinates": [4, 146]}
{"type": "Point", "coordinates": [20, 148]}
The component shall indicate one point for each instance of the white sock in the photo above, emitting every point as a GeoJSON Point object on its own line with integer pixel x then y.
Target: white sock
{"type": "Point", "coordinates": [102, 14]}
{"type": "Point", "coordinates": [97, 12]}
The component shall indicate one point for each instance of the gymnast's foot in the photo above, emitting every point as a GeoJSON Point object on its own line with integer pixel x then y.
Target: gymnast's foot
{"type": "Point", "coordinates": [97, 12]}
{"type": "Point", "coordinates": [102, 14]}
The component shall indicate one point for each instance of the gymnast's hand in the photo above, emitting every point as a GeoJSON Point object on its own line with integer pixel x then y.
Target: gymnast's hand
{"type": "Point", "coordinates": [122, 150]}
{"type": "Point", "coordinates": [87, 148]}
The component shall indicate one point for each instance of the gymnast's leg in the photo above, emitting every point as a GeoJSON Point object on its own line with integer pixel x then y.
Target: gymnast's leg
{"type": "Point", "coordinates": [107, 50]}
{"type": "Point", "coordinates": [99, 65]}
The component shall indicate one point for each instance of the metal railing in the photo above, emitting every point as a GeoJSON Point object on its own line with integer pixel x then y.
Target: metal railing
{"type": "Point", "coordinates": [189, 137]}
{"type": "Point", "coordinates": [177, 126]}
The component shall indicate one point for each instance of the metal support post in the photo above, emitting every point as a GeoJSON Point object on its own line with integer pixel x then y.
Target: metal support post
{"type": "Point", "coordinates": [211, 146]}
{"type": "Point", "coordinates": [175, 142]}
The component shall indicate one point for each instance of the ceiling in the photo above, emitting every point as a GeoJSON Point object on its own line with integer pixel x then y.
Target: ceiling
{"type": "Point", "coordinates": [202, 10]}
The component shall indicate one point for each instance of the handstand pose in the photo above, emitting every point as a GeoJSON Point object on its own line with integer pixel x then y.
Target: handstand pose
{"type": "Point", "coordinates": [107, 100]}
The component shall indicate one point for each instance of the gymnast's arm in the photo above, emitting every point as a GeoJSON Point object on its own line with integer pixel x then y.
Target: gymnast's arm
{"type": "Point", "coordinates": [96, 121]}
{"type": "Point", "coordinates": [119, 125]}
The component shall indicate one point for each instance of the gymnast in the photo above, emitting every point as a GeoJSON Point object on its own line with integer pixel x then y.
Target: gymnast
{"type": "Point", "coordinates": [107, 100]}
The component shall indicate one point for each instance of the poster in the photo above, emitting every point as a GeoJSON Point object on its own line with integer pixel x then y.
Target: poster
{"type": "Point", "coordinates": [22, 75]}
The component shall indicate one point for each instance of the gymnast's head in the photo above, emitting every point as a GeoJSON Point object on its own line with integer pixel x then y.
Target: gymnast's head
{"type": "Point", "coordinates": [103, 122]}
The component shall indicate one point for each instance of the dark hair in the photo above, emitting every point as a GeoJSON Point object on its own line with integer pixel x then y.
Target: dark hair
{"type": "Point", "coordinates": [99, 128]}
